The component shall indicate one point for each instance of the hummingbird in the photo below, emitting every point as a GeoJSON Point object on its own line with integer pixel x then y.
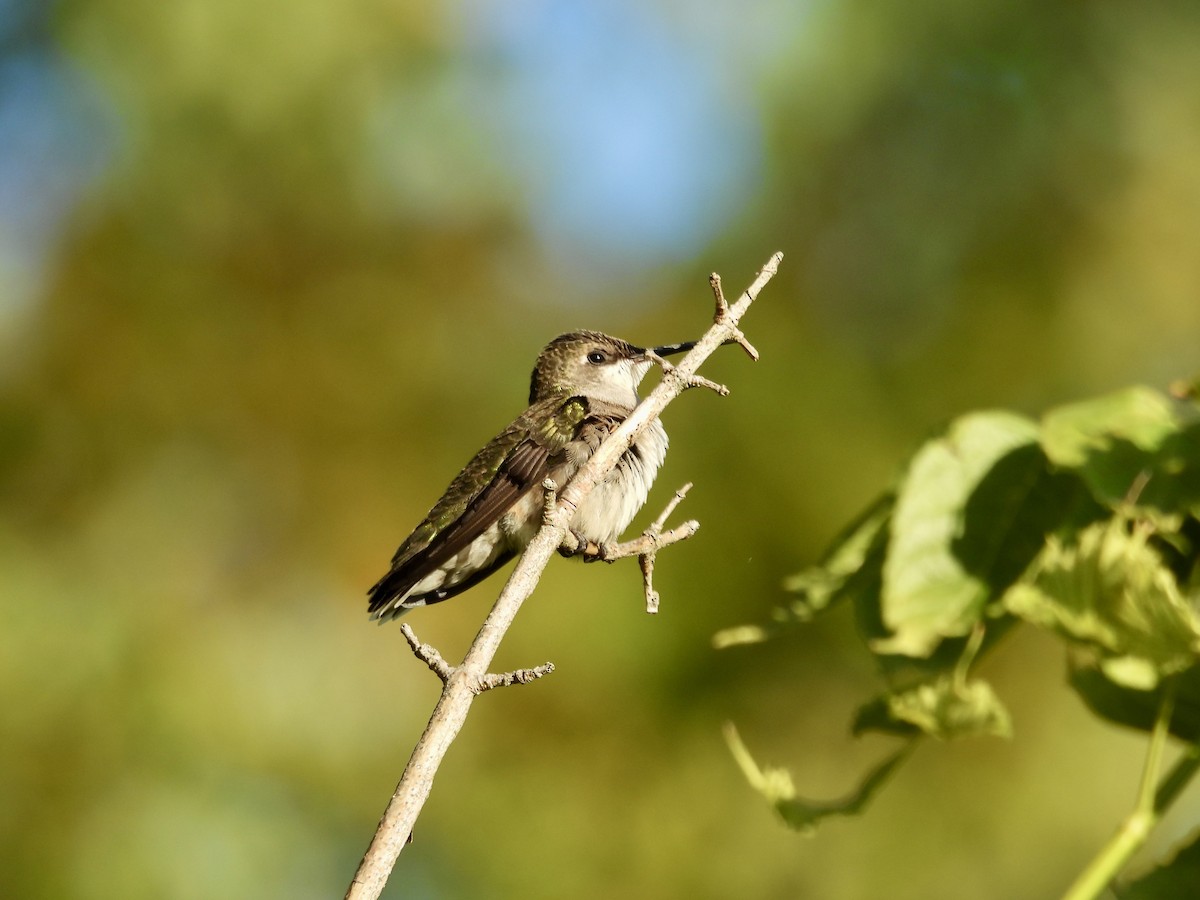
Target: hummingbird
{"type": "Point", "coordinates": [583, 387]}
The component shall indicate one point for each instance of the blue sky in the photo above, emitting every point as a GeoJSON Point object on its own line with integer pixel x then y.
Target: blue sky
{"type": "Point", "coordinates": [53, 142]}
{"type": "Point", "coordinates": [628, 145]}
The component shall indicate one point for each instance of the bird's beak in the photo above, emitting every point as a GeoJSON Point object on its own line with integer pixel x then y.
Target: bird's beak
{"type": "Point", "coordinates": [672, 349]}
{"type": "Point", "coordinates": [643, 364]}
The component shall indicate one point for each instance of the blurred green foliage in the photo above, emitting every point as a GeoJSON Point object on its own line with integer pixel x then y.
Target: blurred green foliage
{"type": "Point", "coordinates": [1084, 525]}
{"type": "Point", "coordinates": [271, 272]}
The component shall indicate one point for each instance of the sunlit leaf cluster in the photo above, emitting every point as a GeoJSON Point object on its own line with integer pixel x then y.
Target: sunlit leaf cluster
{"type": "Point", "coordinates": [1084, 524]}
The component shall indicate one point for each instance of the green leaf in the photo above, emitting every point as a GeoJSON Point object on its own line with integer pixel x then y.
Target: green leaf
{"type": "Point", "coordinates": [1136, 446]}
{"type": "Point", "coordinates": [1072, 434]}
{"type": "Point", "coordinates": [876, 715]}
{"type": "Point", "coordinates": [1010, 512]}
{"type": "Point", "coordinates": [927, 593]}
{"type": "Point", "coordinates": [901, 671]}
{"type": "Point", "coordinates": [1138, 708]}
{"type": "Point", "coordinates": [804, 815]}
{"type": "Point", "coordinates": [841, 567]}
{"type": "Point", "coordinates": [945, 708]}
{"type": "Point", "coordinates": [849, 570]}
{"type": "Point", "coordinates": [1109, 591]}
{"type": "Point", "coordinates": [740, 635]}
{"type": "Point", "coordinates": [1170, 881]}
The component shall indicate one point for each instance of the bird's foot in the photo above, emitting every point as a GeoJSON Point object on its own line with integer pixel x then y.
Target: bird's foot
{"type": "Point", "coordinates": [573, 544]}
{"type": "Point", "coordinates": [603, 552]}
{"type": "Point", "coordinates": [576, 544]}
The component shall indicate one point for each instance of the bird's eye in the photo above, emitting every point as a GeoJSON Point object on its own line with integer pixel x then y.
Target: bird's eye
{"type": "Point", "coordinates": [596, 357]}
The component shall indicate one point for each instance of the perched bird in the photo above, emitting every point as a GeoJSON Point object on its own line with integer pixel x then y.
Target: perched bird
{"type": "Point", "coordinates": [583, 386]}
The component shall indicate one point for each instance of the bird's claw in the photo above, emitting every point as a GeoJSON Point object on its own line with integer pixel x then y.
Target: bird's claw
{"type": "Point", "coordinates": [575, 544]}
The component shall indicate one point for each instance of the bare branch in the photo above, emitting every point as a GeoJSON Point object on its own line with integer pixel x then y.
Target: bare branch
{"type": "Point", "coordinates": [655, 539]}
{"type": "Point", "coordinates": [722, 314]}
{"type": "Point", "coordinates": [714, 282]}
{"type": "Point", "coordinates": [463, 681]}
{"type": "Point", "coordinates": [549, 499]}
{"type": "Point", "coordinates": [691, 381]}
{"type": "Point", "coordinates": [647, 542]}
{"type": "Point", "coordinates": [517, 676]}
{"type": "Point", "coordinates": [658, 523]}
{"type": "Point", "coordinates": [428, 654]}
{"type": "Point", "coordinates": [646, 564]}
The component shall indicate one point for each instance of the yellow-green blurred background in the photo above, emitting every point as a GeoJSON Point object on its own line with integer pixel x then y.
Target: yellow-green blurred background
{"type": "Point", "coordinates": [271, 271]}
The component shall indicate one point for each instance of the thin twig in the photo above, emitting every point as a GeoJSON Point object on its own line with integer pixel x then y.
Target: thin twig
{"type": "Point", "coordinates": [639, 546]}
{"type": "Point", "coordinates": [647, 542]}
{"type": "Point", "coordinates": [658, 523]}
{"type": "Point", "coordinates": [517, 676]}
{"type": "Point", "coordinates": [691, 380]}
{"type": "Point", "coordinates": [460, 688]}
{"type": "Point", "coordinates": [428, 654]}
{"type": "Point", "coordinates": [549, 499]}
{"type": "Point", "coordinates": [722, 315]}
{"type": "Point", "coordinates": [656, 538]}
{"type": "Point", "coordinates": [646, 564]}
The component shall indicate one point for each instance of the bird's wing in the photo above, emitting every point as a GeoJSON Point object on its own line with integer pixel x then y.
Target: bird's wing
{"type": "Point", "coordinates": [521, 458]}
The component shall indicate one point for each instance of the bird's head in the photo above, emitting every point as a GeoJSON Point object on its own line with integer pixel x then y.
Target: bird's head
{"type": "Point", "coordinates": [592, 364]}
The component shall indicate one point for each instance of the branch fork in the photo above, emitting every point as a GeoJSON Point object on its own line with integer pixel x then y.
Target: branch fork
{"type": "Point", "coordinates": [644, 547]}
{"type": "Point", "coordinates": [656, 539]}
{"type": "Point", "coordinates": [689, 381]}
{"type": "Point", "coordinates": [722, 316]}
{"type": "Point", "coordinates": [429, 655]}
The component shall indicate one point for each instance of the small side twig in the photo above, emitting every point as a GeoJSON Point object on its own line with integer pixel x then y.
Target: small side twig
{"type": "Point", "coordinates": [428, 654]}
{"type": "Point", "coordinates": [721, 317]}
{"type": "Point", "coordinates": [657, 525]}
{"type": "Point", "coordinates": [646, 564]}
{"type": "Point", "coordinates": [549, 499]}
{"type": "Point", "coordinates": [645, 546]}
{"type": "Point", "coordinates": [639, 546]}
{"type": "Point", "coordinates": [646, 560]}
{"type": "Point", "coordinates": [690, 381]}
{"type": "Point", "coordinates": [517, 676]}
